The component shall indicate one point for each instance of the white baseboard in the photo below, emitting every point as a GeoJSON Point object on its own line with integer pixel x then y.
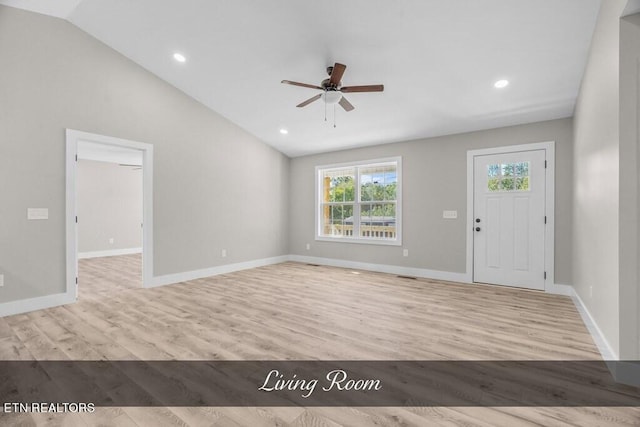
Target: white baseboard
{"type": "Point", "coordinates": [112, 252]}
{"type": "Point", "coordinates": [383, 268]}
{"type": "Point", "coordinates": [32, 304]}
{"type": "Point", "coordinates": [214, 271]}
{"type": "Point", "coordinates": [559, 289]}
{"type": "Point", "coordinates": [48, 301]}
{"type": "Point", "coordinates": [601, 342]}
{"type": "Point", "coordinates": [607, 352]}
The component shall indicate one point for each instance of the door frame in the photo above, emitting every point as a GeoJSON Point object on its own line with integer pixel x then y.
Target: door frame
{"type": "Point", "coordinates": [549, 238]}
{"type": "Point", "coordinates": [72, 139]}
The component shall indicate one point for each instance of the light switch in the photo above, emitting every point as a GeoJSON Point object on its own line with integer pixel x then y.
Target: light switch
{"type": "Point", "coordinates": [449, 214]}
{"type": "Point", "coordinates": [37, 213]}
{"type": "Point", "coordinates": [1, 279]}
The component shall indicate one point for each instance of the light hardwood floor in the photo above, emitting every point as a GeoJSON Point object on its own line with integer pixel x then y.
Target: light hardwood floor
{"type": "Point", "coordinates": [300, 312]}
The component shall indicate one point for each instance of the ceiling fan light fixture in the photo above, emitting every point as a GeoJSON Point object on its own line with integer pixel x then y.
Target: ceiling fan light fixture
{"type": "Point", "coordinates": [332, 90]}
{"type": "Point", "coordinates": [332, 96]}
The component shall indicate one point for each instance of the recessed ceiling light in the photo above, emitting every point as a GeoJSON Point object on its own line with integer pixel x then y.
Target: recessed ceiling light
{"type": "Point", "coordinates": [501, 84]}
{"type": "Point", "coordinates": [179, 57]}
{"type": "Point", "coordinates": [284, 131]}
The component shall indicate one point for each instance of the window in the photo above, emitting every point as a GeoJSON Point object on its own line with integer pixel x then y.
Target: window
{"type": "Point", "coordinates": [360, 202]}
{"type": "Point", "coordinates": [508, 177]}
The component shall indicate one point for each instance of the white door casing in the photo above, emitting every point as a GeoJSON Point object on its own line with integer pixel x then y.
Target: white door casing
{"type": "Point", "coordinates": [509, 219]}
{"type": "Point", "coordinates": [73, 137]}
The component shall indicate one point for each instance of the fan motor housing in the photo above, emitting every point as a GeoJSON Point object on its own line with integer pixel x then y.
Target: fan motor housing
{"type": "Point", "coordinates": [326, 84]}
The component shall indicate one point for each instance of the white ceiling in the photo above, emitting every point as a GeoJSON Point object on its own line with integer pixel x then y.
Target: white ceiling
{"type": "Point", "coordinates": [438, 60]}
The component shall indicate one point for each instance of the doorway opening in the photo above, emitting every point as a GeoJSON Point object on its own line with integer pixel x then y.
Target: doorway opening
{"type": "Point", "coordinates": [109, 214]}
{"type": "Point", "coordinates": [510, 205]}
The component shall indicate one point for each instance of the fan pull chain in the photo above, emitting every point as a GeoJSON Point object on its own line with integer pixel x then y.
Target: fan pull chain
{"type": "Point", "coordinates": [334, 115]}
{"type": "Point", "coordinates": [325, 110]}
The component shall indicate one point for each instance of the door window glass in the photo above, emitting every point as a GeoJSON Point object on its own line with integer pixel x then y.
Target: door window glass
{"type": "Point", "coordinates": [508, 177]}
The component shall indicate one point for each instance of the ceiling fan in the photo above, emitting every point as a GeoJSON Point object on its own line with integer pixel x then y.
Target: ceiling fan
{"type": "Point", "coordinates": [332, 89]}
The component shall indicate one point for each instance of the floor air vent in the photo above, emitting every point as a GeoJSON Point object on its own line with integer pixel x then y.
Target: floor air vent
{"type": "Point", "coordinates": [313, 265]}
{"type": "Point", "coordinates": [407, 277]}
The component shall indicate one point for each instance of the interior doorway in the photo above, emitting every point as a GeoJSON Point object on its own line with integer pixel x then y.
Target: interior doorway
{"type": "Point", "coordinates": [511, 215]}
{"type": "Point", "coordinates": [109, 207]}
{"type": "Point", "coordinates": [109, 214]}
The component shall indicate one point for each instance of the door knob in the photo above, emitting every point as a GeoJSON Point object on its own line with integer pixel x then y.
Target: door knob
{"type": "Point", "coordinates": [477, 228]}
{"type": "Point", "coordinates": [477, 219]}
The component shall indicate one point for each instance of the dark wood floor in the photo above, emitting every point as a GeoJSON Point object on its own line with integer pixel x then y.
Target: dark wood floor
{"type": "Point", "coordinates": [297, 311]}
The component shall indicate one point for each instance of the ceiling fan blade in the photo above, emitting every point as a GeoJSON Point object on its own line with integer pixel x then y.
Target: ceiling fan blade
{"type": "Point", "coordinates": [346, 104]}
{"type": "Point", "coordinates": [289, 82]}
{"type": "Point", "coordinates": [369, 88]}
{"type": "Point", "coordinates": [309, 101]}
{"type": "Point", "coordinates": [337, 73]}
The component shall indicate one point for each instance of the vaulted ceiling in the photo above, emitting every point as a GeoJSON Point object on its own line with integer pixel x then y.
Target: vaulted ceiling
{"type": "Point", "coordinates": [438, 60]}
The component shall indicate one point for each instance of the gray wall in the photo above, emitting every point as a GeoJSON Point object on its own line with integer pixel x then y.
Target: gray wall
{"type": "Point", "coordinates": [434, 179]}
{"type": "Point", "coordinates": [109, 206]}
{"type": "Point", "coordinates": [215, 186]}
{"type": "Point", "coordinates": [629, 187]}
{"type": "Point", "coordinates": [596, 168]}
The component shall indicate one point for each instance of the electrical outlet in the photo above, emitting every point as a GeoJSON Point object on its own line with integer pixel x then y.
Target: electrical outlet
{"type": "Point", "coordinates": [405, 252]}
{"type": "Point", "coordinates": [1, 279]}
{"type": "Point", "coordinates": [308, 246]}
{"type": "Point", "coordinates": [224, 253]}
{"type": "Point", "coordinates": [111, 241]}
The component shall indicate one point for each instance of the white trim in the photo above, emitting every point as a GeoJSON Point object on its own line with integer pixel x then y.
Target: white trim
{"type": "Point", "coordinates": [48, 301]}
{"type": "Point", "coordinates": [550, 212]}
{"type": "Point", "coordinates": [147, 216]}
{"type": "Point", "coordinates": [356, 211]}
{"type": "Point", "coordinates": [470, 198]}
{"type": "Point", "coordinates": [606, 351]}
{"type": "Point", "coordinates": [214, 271]}
{"type": "Point", "coordinates": [70, 213]}
{"type": "Point", "coordinates": [109, 153]}
{"type": "Point", "coordinates": [383, 268]}
{"type": "Point", "coordinates": [364, 240]}
{"type": "Point", "coordinates": [601, 342]}
{"type": "Point", "coordinates": [112, 252]}
{"type": "Point", "coordinates": [360, 162]}
{"type": "Point", "coordinates": [73, 138]}
{"type": "Point", "coordinates": [549, 148]}
{"type": "Point", "coordinates": [38, 303]}
{"type": "Point", "coordinates": [559, 289]}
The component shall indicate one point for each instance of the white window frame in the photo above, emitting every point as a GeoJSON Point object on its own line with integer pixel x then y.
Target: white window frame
{"type": "Point", "coordinates": [356, 210]}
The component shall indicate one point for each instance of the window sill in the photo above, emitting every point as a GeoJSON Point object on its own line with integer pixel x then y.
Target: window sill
{"type": "Point", "coordinates": [363, 241]}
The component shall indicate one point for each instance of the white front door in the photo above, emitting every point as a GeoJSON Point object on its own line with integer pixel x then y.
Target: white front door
{"type": "Point", "coordinates": [509, 219]}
